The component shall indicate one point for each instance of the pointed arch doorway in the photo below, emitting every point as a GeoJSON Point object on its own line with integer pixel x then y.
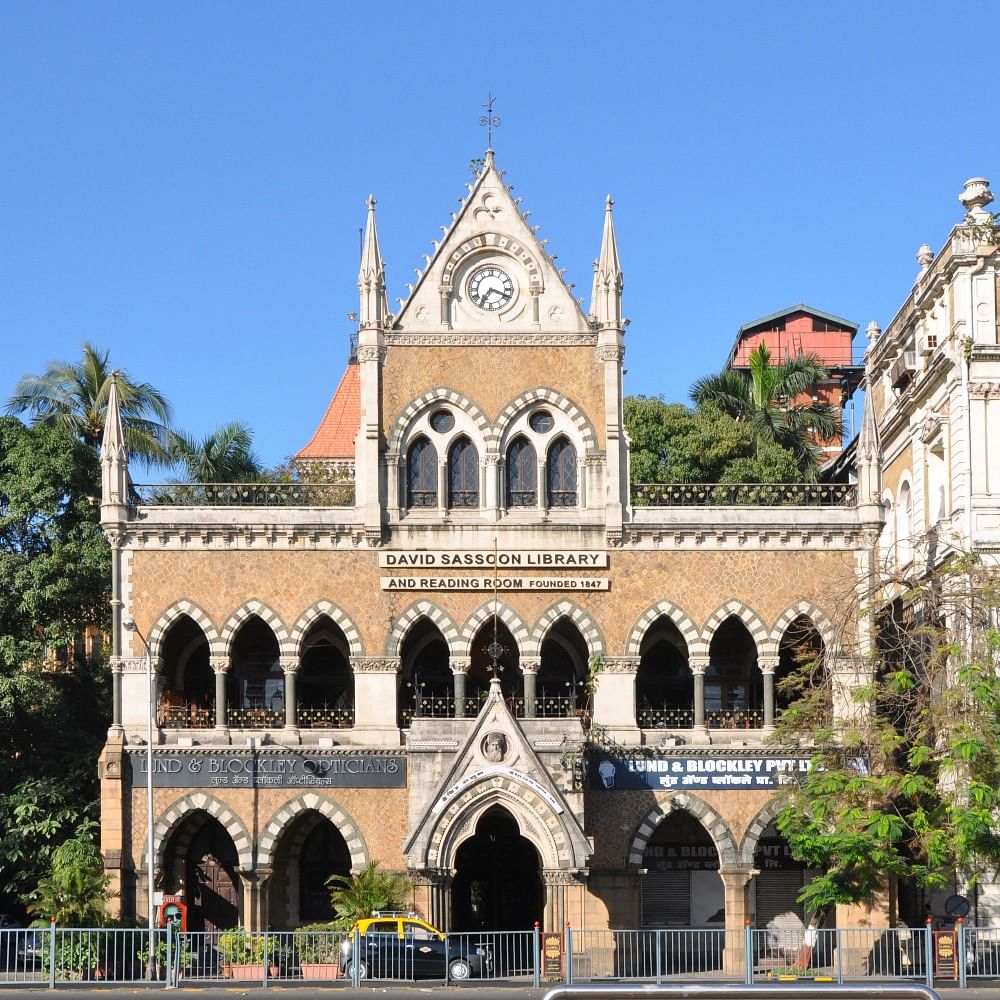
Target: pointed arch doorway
{"type": "Point", "coordinates": [497, 884]}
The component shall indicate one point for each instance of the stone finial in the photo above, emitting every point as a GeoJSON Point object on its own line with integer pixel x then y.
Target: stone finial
{"type": "Point", "coordinates": [873, 331]}
{"type": "Point", "coordinates": [925, 255]}
{"type": "Point", "coordinates": [975, 196]}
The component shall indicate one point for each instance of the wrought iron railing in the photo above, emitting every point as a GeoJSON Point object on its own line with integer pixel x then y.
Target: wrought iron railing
{"type": "Point", "coordinates": [255, 718]}
{"type": "Point", "coordinates": [422, 498]}
{"type": "Point", "coordinates": [744, 495]}
{"type": "Point", "coordinates": [665, 718]}
{"type": "Point", "coordinates": [522, 498]}
{"type": "Point", "coordinates": [243, 494]}
{"type": "Point", "coordinates": [562, 498]}
{"type": "Point", "coordinates": [185, 716]}
{"type": "Point", "coordinates": [463, 498]}
{"type": "Point", "coordinates": [683, 718]}
{"type": "Point", "coordinates": [325, 717]}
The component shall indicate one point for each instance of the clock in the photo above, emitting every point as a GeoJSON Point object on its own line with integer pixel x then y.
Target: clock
{"type": "Point", "coordinates": [490, 288]}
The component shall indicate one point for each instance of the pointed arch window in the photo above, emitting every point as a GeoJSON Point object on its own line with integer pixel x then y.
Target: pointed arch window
{"type": "Point", "coordinates": [561, 474]}
{"type": "Point", "coordinates": [463, 474]}
{"type": "Point", "coordinates": [522, 474]}
{"type": "Point", "coordinates": [421, 474]}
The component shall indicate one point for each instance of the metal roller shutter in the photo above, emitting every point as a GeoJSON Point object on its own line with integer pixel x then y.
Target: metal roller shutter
{"type": "Point", "coordinates": [666, 899]}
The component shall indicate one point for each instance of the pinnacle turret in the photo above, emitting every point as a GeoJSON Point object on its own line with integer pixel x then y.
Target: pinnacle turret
{"type": "Point", "coordinates": [371, 275]}
{"type": "Point", "coordinates": [869, 454]}
{"type": "Point", "coordinates": [114, 452]}
{"type": "Point", "coordinates": [606, 306]}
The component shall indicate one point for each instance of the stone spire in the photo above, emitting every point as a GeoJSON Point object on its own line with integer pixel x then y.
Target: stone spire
{"type": "Point", "coordinates": [606, 306]}
{"type": "Point", "coordinates": [371, 276]}
{"type": "Point", "coordinates": [869, 453]}
{"type": "Point", "coordinates": [114, 456]}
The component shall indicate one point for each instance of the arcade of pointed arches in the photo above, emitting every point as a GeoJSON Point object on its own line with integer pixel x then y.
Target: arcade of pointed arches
{"type": "Point", "coordinates": [254, 672]}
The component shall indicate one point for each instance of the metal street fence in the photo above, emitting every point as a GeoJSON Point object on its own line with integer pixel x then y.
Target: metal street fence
{"type": "Point", "coordinates": [53, 956]}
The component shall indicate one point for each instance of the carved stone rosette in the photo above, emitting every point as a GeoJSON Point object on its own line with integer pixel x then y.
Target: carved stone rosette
{"type": "Point", "coordinates": [619, 665]}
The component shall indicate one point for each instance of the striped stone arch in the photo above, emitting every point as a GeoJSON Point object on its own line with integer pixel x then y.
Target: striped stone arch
{"type": "Point", "coordinates": [557, 401]}
{"type": "Point", "coordinates": [574, 613]}
{"type": "Point", "coordinates": [755, 830]}
{"type": "Point", "coordinates": [716, 827]}
{"type": "Point", "coordinates": [315, 611]}
{"type": "Point", "coordinates": [181, 809]}
{"type": "Point", "coordinates": [442, 394]}
{"type": "Point", "coordinates": [162, 625]}
{"type": "Point", "coordinates": [665, 609]}
{"type": "Point", "coordinates": [805, 609]}
{"type": "Point", "coordinates": [755, 626]}
{"type": "Point", "coordinates": [406, 621]}
{"type": "Point", "coordinates": [504, 613]}
{"type": "Point", "coordinates": [266, 615]}
{"type": "Point", "coordinates": [535, 819]}
{"type": "Point", "coordinates": [336, 814]}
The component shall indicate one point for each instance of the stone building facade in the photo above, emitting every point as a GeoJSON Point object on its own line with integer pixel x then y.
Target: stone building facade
{"type": "Point", "coordinates": [469, 652]}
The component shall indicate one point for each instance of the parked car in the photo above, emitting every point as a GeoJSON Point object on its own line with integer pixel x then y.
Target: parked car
{"type": "Point", "coordinates": [20, 947]}
{"type": "Point", "coordinates": [394, 946]}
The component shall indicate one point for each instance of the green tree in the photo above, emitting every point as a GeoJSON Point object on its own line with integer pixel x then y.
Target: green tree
{"type": "Point", "coordinates": [671, 443]}
{"type": "Point", "coordinates": [224, 456]}
{"type": "Point", "coordinates": [74, 893]}
{"type": "Point", "coordinates": [906, 784]}
{"type": "Point", "coordinates": [765, 397]}
{"type": "Point", "coordinates": [355, 897]}
{"type": "Point", "coordinates": [54, 581]}
{"type": "Point", "coordinates": [74, 396]}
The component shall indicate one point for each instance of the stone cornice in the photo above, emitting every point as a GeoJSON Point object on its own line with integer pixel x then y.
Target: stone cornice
{"type": "Point", "coordinates": [491, 339]}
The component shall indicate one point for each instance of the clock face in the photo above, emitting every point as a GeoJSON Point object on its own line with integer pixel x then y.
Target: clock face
{"type": "Point", "coordinates": [490, 288]}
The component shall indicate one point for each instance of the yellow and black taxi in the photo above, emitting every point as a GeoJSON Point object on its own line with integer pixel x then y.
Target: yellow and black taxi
{"type": "Point", "coordinates": [402, 946]}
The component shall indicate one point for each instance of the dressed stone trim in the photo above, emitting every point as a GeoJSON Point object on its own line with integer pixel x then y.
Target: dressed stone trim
{"type": "Point", "coordinates": [716, 827]}
{"type": "Point", "coordinates": [335, 813]}
{"type": "Point", "coordinates": [491, 339]}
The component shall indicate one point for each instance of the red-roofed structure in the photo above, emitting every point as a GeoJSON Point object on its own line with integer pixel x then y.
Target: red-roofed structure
{"type": "Point", "coordinates": [334, 438]}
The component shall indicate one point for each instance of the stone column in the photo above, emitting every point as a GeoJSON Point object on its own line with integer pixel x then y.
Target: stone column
{"type": "Point", "coordinates": [442, 485]}
{"type": "Point", "coordinates": [459, 669]}
{"type": "Point", "coordinates": [555, 881]}
{"type": "Point", "coordinates": [375, 698]}
{"type": "Point", "coordinates": [116, 692]}
{"type": "Point", "coordinates": [737, 884]}
{"type": "Point", "coordinates": [699, 664]}
{"type": "Point", "coordinates": [529, 669]}
{"type": "Point", "coordinates": [290, 668]}
{"type": "Point", "coordinates": [768, 668]}
{"type": "Point", "coordinates": [392, 478]}
{"type": "Point", "coordinates": [491, 493]}
{"type": "Point", "coordinates": [220, 664]}
{"type": "Point", "coordinates": [432, 894]}
{"type": "Point", "coordinates": [541, 484]}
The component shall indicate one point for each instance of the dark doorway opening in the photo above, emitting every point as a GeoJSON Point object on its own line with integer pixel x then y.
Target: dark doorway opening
{"type": "Point", "coordinates": [497, 886]}
{"type": "Point", "coordinates": [212, 882]}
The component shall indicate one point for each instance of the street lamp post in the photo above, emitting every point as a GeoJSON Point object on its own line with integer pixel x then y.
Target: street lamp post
{"type": "Point", "coordinates": [130, 626]}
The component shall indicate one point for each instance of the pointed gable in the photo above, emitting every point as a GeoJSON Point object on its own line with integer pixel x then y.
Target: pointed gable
{"type": "Point", "coordinates": [334, 438]}
{"type": "Point", "coordinates": [490, 229]}
{"type": "Point", "coordinates": [498, 765]}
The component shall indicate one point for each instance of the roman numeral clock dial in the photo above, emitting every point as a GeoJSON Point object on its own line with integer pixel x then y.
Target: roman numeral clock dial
{"type": "Point", "coordinates": [490, 288]}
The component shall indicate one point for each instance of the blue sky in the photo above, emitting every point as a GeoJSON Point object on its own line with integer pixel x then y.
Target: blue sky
{"type": "Point", "coordinates": [183, 183]}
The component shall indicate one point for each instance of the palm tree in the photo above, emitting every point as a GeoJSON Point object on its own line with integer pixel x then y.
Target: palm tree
{"type": "Point", "coordinates": [74, 396]}
{"type": "Point", "coordinates": [224, 456]}
{"type": "Point", "coordinates": [766, 397]}
{"type": "Point", "coordinates": [355, 897]}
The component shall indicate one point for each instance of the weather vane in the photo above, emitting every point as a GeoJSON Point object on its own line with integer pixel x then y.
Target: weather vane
{"type": "Point", "coordinates": [489, 120]}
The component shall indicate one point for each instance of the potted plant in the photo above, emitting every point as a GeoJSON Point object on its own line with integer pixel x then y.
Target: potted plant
{"type": "Point", "coordinates": [318, 948]}
{"type": "Point", "coordinates": [244, 953]}
{"type": "Point", "coordinates": [181, 956]}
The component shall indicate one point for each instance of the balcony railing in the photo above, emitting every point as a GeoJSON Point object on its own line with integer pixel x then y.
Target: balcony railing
{"type": "Point", "coordinates": [185, 716]}
{"type": "Point", "coordinates": [325, 718]}
{"type": "Point", "coordinates": [243, 494]}
{"type": "Point", "coordinates": [255, 718]}
{"type": "Point", "coordinates": [744, 495]}
{"type": "Point", "coordinates": [683, 718]}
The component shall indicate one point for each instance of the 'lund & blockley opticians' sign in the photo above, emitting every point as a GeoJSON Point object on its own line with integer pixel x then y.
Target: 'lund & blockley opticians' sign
{"type": "Point", "coordinates": [415, 570]}
{"type": "Point", "coordinates": [269, 770]}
